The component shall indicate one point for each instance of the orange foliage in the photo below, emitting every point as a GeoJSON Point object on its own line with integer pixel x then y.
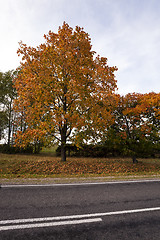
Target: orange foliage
{"type": "Point", "coordinates": [139, 114]}
{"type": "Point", "coordinates": [62, 87]}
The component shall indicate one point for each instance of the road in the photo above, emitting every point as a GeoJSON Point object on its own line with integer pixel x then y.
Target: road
{"type": "Point", "coordinates": [122, 210]}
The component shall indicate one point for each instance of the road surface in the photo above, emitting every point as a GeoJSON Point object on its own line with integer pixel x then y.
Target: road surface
{"type": "Point", "coordinates": [121, 210]}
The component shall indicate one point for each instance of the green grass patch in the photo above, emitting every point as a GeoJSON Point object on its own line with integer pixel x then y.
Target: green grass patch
{"type": "Point", "coordinates": [49, 151]}
{"type": "Point", "coordinates": [41, 166]}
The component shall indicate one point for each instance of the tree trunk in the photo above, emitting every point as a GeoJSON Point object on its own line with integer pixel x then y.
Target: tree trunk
{"type": "Point", "coordinates": [9, 123]}
{"type": "Point", "coordinates": [63, 144]}
{"type": "Point", "coordinates": [134, 159]}
{"type": "Point", "coordinates": [64, 126]}
{"type": "Point", "coordinates": [9, 131]}
{"type": "Point", "coordinates": [63, 152]}
{"type": "Point", "coordinates": [9, 134]}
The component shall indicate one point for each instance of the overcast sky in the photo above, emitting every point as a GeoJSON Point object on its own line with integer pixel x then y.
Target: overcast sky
{"type": "Point", "coordinates": [127, 32]}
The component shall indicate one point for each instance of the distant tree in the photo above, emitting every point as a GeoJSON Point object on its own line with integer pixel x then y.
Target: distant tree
{"type": "Point", "coordinates": [63, 90]}
{"type": "Point", "coordinates": [137, 124]}
{"type": "Point", "coordinates": [7, 94]}
{"type": "Point", "coordinates": [150, 107]}
{"type": "Point", "coordinates": [3, 122]}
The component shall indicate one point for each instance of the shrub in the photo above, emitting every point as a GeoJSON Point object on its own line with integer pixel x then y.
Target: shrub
{"type": "Point", "coordinates": [5, 148]}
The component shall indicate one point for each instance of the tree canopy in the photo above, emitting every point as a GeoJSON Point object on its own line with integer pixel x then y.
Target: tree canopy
{"type": "Point", "coordinates": [136, 128]}
{"type": "Point", "coordinates": [65, 92]}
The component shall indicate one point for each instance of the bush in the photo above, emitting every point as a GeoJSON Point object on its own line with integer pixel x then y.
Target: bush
{"type": "Point", "coordinates": [111, 149]}
{"type": "Point", "coordinates": [5, 148]}
{"type": "Point", "coordinates": [86, 151]}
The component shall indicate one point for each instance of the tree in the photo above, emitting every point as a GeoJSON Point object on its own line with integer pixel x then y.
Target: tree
{"type": "Point", "coordinates": [3, 115]}
{"type": "Point", "coordinates": [63, 90]}
{"type": "Point", "coordinates": [7, 94]}
{"type": "Point", "coordinates": [136, 129]}
{"type": "Point", "coordinates": [150, 106]}
{"type": "Point", "coordinates": [123, 133]}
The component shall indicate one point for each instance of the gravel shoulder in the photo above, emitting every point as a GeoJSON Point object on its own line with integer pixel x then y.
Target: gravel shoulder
{"type": "Point", "coordinates": [30, 181]}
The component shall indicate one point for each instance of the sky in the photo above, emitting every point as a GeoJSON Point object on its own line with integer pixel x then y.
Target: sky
{"type": "Point", "coordinates": [127, 32]}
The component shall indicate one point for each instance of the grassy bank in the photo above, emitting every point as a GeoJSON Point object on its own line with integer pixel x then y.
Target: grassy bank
{"type": "Point", "coordinates": [42, 166]}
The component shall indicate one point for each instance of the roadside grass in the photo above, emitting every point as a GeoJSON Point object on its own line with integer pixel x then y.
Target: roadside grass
{"type": "Point", "coordinates": [46, 166]}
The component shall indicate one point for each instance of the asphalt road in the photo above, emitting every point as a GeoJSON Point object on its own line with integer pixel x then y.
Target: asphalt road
{"type": "Point", "coordinates": [128, 210]}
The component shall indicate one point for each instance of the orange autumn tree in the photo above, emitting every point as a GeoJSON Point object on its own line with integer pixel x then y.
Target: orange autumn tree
{"type": "Point", "coordinates": [122, 136]}
{"type": "Point", "coordinates": [136, 129]}
{"type": "Point", "coordinates": [63, 89]}
{"type": "Point", "coordinates": [150, 106]}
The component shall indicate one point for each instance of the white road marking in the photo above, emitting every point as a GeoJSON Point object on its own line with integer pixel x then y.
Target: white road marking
{"type": "Point", "coordinates": [50, 224]}
{"type": "Point", "coordinates": [92, 215]}
{"type": "Point", "coordinates": [76, 184]}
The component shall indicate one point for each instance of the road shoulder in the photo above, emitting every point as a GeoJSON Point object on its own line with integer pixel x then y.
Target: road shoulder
{"type": "Point", "coordinates": [30, 181]}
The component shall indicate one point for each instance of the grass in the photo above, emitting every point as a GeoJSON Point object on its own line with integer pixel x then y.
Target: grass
{"type": "Point", "coordinates": [46, 166]}
{"type": "Point", "coordinates": [49, 151]}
